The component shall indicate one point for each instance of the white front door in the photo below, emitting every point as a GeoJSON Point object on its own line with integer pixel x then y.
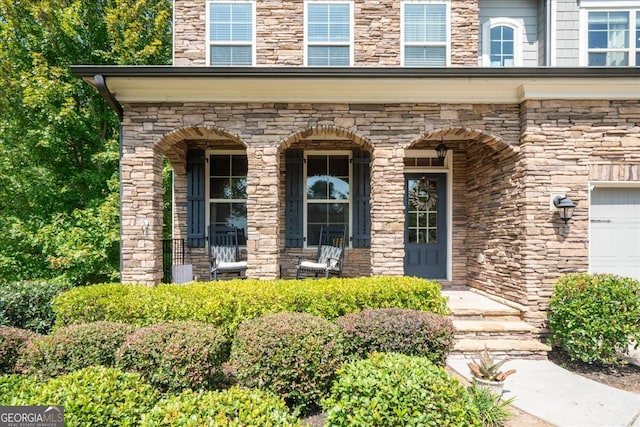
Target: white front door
{"type": "Point", "coordinates": [615, 231]}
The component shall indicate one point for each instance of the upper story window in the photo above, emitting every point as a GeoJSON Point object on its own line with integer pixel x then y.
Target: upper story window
{"type": "Point", "coordinates": [610, 37]}
{"type": "Point", "coordinates": [425, 33]}
{"type": "Point", "coordinates": [230, 33]}
{"type": "Point", "coordinates": [328, 33]}
{"type": "Point", "coordinates": [501, 42]}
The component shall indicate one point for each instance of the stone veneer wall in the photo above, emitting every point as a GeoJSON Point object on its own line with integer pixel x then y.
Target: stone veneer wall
{"type": "Point", "coordinates": [280, 33]}
{"type": "Point", "coordinates": [507, 239]}
{"type": "Point", "coordinates": [565, 146]}
{"type": "Point", "coordinates": [266, 130]}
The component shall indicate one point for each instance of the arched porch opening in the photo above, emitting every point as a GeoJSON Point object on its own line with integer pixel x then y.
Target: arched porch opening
{"type": "Point", "coordinates": [325, 180]}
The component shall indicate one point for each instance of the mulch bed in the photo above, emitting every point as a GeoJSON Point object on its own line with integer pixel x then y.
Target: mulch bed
{"type": "Point", "coordinates": [624, 376]}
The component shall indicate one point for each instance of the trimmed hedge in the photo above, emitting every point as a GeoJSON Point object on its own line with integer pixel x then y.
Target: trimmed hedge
{"type": "Point", "coordinates": [394, 330]}
{"type": "Point", "coordinates": [177, 355]}
{"type": "Point", "coordinates": [232, 407]}
{"type": "Point", "coordinates": [95, 396]}
{"type": "Point", "coordinates": [398, 390]}
{"type": "Point", "coordinates": [595, 318]}
{"type": "Point", "coordinates": [294, 355]}
{"type": "Point", "coordinates": [27, 304]}
{"type": "Point", "coordinates": [12, 344]}
{"type": "Point", "coordinates": [226, 304]}
{"type": "Point", "coordinates": [74, 347]}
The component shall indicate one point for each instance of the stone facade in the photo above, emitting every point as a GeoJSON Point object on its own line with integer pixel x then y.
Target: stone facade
{"type": "Point", "coordinates": [506, 161]}
{"type": "Point", "coordinates": [280, 33]}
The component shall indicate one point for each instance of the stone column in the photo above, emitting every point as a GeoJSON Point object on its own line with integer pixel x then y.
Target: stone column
{"type": "Point", "coordinates": [141, 214]}
{"type": "Point", "coordinates": [387, 212]}
{"type": "Point", "coordinates": [263, 205]}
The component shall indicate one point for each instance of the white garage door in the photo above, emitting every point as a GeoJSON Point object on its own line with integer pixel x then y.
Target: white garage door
{"type": "Point", "coordinates": [615, 231]}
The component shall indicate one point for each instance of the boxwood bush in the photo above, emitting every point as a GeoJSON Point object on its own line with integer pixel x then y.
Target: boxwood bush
{"type": "Point", "coordinates": [232, 407]}
{"type": "Point", "coordinates": [227, 303]}
{"type": "Point", "coordinates": [74, 347]}
{"type": "Point", "coordinates": [398, 390]}
{"type": "Point", "coordinates": [12, 343]}
{"type": "Point", "coordinates": [594, 318]}
{"type": "Point", "coordinates": [28, 304]}
{"type": "Point", "coordinates": [177, 355]}
{"type": "Point", "coordinates": [394, 330]}
{"type": "Point", "coordinates": [294, 355]}
{"type": "Point", "coordinates": [95, 396]}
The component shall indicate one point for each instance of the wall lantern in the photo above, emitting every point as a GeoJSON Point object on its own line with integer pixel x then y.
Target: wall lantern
{"type": "Point", "coordinates": [441, 150]}
{"type": "Point", "coordinates": [565, 207]}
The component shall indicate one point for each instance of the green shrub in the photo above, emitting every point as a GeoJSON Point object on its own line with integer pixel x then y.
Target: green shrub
{"type": "Point", "coordinates": [17, 389]}
{"type": "Point", "coordinates": [28, 304]}
{"type": "Point", "coordinates": [12, 344]}
{"type": "Point", "coordinates": [95, 396]}
{"type": "Point", "coordinates": [394, 330]}
{"type": "Point", "coordinates": [294, 355]}
{"type": "Point", "coordinates": [493, 411]}
{"type": "Point", "coordinates": [398, 390]}
{"type": "Point", "coordinates": [178, 355]}
{"type": "Point", "coordinates": [233, 407]}
{"type": "Point", "coordinates": [74, 347]}
{"type": "Point", "coordinates": [227, 303]}
{"type": "Point", "coordinates": [594, 318]}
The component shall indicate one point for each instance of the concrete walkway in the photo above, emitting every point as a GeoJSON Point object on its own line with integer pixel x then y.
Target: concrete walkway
{"type": "Point", "coordinates": [549, 392]}
{"type": "Point", "coordinates": [562, 398]}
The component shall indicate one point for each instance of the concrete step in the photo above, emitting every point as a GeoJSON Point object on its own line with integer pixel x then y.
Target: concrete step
{"type": "Point", "coordinates": [492, 329]}
{"type": "Point", "coordinates": [511, 348]}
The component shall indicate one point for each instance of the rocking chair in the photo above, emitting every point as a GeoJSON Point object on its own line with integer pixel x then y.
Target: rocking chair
{"type": "Point", "coordinates": [224, 253]}
{"type": "Point", "coordinates": [330, 257]}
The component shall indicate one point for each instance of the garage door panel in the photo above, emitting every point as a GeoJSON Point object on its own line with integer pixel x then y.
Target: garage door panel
{"type": "Point", "coordinates": [615, 231]}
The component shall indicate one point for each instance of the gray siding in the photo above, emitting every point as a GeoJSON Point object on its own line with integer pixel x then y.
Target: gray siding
{"type": "Point", "coordinates": [542, 32]}
{"type": "Point", "coordinates": [567, 23]}
{"type": "Point", "coordinates": [527, 10]}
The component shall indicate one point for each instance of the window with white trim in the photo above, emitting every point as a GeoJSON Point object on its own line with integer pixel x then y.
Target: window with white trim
{"type": "Point", "coordinates": [228, 192]}
{"type": "Point", "coordinates": [230, 33]}
{"type": "Point", "coordinates": [425, 34]}
{"type": "Point", "coordinates": [328, 33]}
{"type": "Point", "coordinates": [611, 37]}
{"type": "Point", "coordinates": [502, 42]}
{"type": "Point", "coordinates": [327, 197]}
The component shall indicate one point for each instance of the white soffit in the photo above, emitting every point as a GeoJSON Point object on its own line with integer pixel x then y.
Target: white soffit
{"type": "Point", "coordinates": [480, 90]}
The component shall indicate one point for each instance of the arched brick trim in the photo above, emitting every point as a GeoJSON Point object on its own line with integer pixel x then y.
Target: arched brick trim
{"type": "Point", "coordinates": [323, 130]}
{"type": "Point", "coordinates": [171, 144]}
{"type": "Point", "coordinates": [194, 132]}
{"type": "Point", "coordinates": [453, 134]}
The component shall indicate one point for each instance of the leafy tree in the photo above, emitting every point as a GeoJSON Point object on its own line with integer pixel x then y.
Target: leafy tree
{"type": "Point", "coordinates": [58, 138]}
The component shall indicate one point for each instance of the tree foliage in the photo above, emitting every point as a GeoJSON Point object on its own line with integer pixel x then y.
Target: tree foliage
{"type": "Point", "coordinates": [58, 138]}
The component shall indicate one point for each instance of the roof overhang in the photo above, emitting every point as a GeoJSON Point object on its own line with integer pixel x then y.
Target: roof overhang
{"type": "Point", "coordinates": [155, 84]}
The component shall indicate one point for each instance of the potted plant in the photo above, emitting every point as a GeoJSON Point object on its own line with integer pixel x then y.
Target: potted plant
{"type": "Point", "coordinates": [485, 371]}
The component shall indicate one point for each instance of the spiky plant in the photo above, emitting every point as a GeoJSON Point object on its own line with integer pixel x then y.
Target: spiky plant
{"type": "Point", "coordinates": [488, 368]}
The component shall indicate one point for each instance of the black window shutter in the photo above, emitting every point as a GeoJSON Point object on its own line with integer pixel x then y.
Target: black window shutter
{"type": "Point", "coordinates": [294, 235]}
{"type": "Point", "coordinates": [195, 198]}
{"type": "Point", "coordinates": [361, 194]}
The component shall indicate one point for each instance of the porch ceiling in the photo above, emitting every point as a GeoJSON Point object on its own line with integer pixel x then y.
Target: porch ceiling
{"type": "Point", "coordinates": [131, 84]}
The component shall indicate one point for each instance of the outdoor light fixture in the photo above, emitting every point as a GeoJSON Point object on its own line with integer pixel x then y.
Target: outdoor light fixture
{"type": "Point", "coordinates": [441, 150]}
{"type": "Point", "coordinates": [565, 207]}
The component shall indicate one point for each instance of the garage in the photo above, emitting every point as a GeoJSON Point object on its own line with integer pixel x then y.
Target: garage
{"type": "Point", "coordinates": [615, 231]}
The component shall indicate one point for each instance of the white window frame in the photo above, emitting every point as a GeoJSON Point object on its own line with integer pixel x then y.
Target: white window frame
{"type": "Point", "coordinates": [306, 30]}
{"type": "Point", "coordinates": [446, 44]}
{"type": "Point", "coordinates": [209, 43]}
{"type": "Point", "coordinates": [517, 25]}
{"type": "Point", "coordinates": [632, 7]}
{"type": "Point", "coordinates": [349, 201]}
{"type": "Point", "coordinates": [207, 186]}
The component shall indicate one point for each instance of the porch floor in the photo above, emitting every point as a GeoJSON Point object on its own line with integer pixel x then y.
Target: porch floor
{"type": "Point", "coordinates": [482, 322]}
